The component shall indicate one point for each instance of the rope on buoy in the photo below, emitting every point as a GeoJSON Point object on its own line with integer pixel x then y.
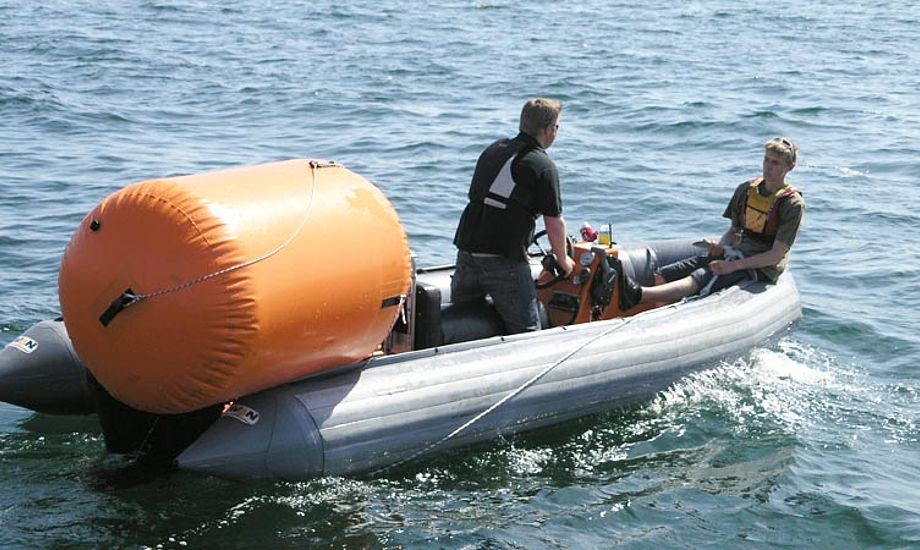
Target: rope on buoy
{"type": "Point", "coordinates": [128, 298]}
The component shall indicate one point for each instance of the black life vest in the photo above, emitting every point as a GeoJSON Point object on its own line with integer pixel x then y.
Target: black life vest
{"type": "Point", "coordinates": [501, 186]}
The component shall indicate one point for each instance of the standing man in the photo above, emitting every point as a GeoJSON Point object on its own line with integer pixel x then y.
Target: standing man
{"type": "Point", "coordinates": [765, 215]}
{"type": "Point", "coordinates": [515, 182]}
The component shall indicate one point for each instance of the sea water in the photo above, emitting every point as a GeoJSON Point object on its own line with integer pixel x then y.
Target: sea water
{"type": "Point", "coordinates": [808, 441]}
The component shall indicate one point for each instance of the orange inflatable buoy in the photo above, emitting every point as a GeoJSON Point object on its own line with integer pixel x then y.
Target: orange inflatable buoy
{"type": "Point", "coordinates": [185, 292]}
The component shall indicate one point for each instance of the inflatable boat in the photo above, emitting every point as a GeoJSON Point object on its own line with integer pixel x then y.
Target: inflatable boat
{"type": "Point", "coordinates": [215, 322]}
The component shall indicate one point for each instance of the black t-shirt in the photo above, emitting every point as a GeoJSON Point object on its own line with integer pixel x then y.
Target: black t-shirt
{"type": "Point", "coordinates": [515, 182]}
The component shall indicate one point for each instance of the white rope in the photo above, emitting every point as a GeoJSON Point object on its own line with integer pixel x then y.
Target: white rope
{"type": "Point", "coordinates": [514, 393]}
{"type": "Point", "coordinates": [731, 254]}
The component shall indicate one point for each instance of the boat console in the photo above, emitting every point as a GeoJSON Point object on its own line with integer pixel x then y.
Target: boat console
{"type": "Point", "coordinates": [431, 319]}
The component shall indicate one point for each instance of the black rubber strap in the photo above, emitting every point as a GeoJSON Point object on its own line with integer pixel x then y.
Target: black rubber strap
{"type": "Point", "coordinates": [126, 299]}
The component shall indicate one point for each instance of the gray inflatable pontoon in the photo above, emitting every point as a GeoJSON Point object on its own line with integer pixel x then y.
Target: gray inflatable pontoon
{"type": "Point", "coordinates": [364, 418]}
{"type": "Point", "coordinates": [398, 408]}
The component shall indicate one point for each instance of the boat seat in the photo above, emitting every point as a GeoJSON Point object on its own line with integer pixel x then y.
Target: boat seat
{"type": "Point", "coordinates": [438, 324]}
{"type": "Point", "coordinates": [466, 321]}
{"type": "Point", "coordinates": [427, 315]}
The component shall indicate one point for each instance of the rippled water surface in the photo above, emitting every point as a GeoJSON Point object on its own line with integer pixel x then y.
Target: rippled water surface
{"type": "Point", "coordinates": [811, 440]}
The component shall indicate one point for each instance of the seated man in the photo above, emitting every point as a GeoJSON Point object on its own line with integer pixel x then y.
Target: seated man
{"type": "Point", "coordinates": [765, 215]}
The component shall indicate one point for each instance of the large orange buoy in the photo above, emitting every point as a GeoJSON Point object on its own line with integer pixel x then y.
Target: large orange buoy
{"type": "Point", "coordinates": [184, 292]}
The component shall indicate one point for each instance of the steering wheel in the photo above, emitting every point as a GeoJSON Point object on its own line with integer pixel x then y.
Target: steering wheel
{"type": "Point", "coordinates": [535, 242]}
{"type": "Point", "coordinates": [549, 259]}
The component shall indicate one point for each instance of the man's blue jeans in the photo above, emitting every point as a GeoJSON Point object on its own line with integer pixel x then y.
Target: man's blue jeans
{"type": "Point", "coordinates": [508, 282]}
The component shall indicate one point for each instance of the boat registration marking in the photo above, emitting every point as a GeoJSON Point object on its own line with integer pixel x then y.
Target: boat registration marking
{"type": "Point", "coordinates": [244, 414]}
{"type": "Point", "coordinates": [24, 344]}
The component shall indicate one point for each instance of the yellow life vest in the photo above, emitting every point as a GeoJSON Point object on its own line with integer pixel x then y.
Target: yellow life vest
{"type": "Point", "coordinates": [761, 213]}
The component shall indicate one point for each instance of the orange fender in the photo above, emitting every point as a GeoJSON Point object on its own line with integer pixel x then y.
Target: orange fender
{"type": "Point", "coordinates": [247, 278]}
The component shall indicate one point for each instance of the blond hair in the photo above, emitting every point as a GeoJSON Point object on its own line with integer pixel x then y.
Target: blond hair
{"type": "Point", "coordinates": [784, 147]}
{"type": "Point", "coordinates": [538, 114]}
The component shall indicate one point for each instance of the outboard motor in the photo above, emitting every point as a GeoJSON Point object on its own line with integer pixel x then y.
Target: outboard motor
{"type": "Point", "coordinates": [152, 440]}
{"type": "Point", "coordinates": [40, 371]}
